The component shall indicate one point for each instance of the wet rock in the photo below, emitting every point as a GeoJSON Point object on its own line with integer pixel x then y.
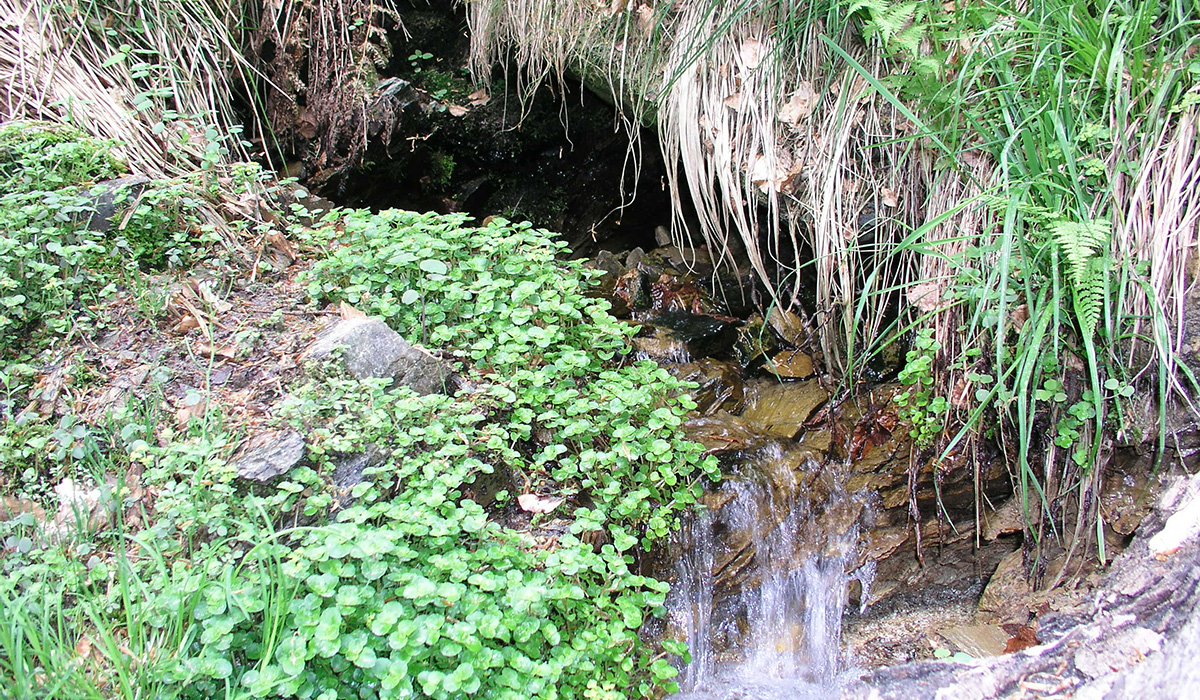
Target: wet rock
{"type": "Point", "coordinates": [112, 198]}
{"type": "Point", "coordinates": [605, 287]}
{"type": "Point", "coordinates": [818, 440]}
{"type": "Point", "coordinates": [722, 432]}
{"type": "Point", "coordinates": [700, 334]}
{"type": "Point", "coordinates": [754, 342]}
{"type": "Point", "coordinates": [634, 258]}
{"type": "Point", "coordinates": [720, 385]}
{"type": "Point", "coordinates": [1125, 500]}
{"type": "Point", "coordinates": [790, 327]}
{"type": "Point", "coordinates": [373, 350]}
{"type": "Point", "coordinates": [691, 260]}
{"type": "Point", "coordinates": [782, 409]}
{"type": "Point", "coordinates": [661, 345]}
{"type": "Point", "coordinates": [883, 542]}
{"type": "Point", "coordinates": [1007, 593]}
{"type": "Point", "coordinates": [268, 455]}
{"type": "Point", "coordinates": [631, 290]}
{"type": "Point", "coordinates": [977, 640]}
{"type": "Point", "coordinates": [1010, 518]}
{"type": "Point", "coordinates": [791, 364]}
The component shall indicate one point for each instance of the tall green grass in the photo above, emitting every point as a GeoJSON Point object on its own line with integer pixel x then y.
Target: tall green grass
{"type": "Point", "coordinates": [1056, 313]}
{"type": "Point", "coordinates": [1030, 168]}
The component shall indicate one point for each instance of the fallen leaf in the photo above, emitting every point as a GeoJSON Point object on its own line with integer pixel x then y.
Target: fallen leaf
{"type": "Point", "coordinates": [348, 312]}
{"type": "Point", "coordinates": [532, 503]}
{"type": "Point", "coordinates": [1022, 640]}
{"type": "Point", "coordinates": [479, 98]}
{"type": "Point", "coordinates": [456, 110]}
{"type": "Point", "coordinates": [734, 101]}
{"type": "Point", "coordinates": [751, 54]}
{"type": "Point", "coordinates": [889, 197]}
{"type": "Point", "coordinates": [186, 324]}
{"type": "Point", "coordinates": [213, 350]}
{"type": "Point", "coordinates": [800, 105]}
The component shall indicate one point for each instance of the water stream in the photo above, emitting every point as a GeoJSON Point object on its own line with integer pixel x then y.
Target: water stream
{"type": "Point", "coordinates": [761, 580]}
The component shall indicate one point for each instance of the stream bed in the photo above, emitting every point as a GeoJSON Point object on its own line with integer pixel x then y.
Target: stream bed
{"type": "Point", "coordinates": [829, 548]}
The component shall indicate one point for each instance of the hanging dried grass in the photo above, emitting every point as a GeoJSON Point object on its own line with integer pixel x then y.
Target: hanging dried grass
{"type": "Point", "coordinates": [750, 113]}
{"type": "Point", "coordinates": [150, 75]}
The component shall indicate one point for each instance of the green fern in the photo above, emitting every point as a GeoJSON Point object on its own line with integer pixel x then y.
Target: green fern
{"type": "Point", "coordinates": [1080, 242]}
{"type": "Point", "coordinates": [1083, 245]}
{"type": "Point", "coordinates": [888, 20]}
{"type": "Point", "coordinates": [1089, 296]}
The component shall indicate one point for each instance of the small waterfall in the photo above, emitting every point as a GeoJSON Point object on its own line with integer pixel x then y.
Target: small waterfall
{"type": "Point", "coordinates": [690, 607]}
{"type": "Point", "coordinates": [761, 580]}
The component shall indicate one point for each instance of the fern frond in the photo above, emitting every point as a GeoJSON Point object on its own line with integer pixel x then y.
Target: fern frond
{"type": "Point", "coordinates": [1079, 242]}
{"type": "Point", "coordinates": [1089, 296]}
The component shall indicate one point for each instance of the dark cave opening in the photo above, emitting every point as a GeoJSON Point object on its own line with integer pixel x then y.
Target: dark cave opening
{"type": "Point", "coordinates": [561, 160]}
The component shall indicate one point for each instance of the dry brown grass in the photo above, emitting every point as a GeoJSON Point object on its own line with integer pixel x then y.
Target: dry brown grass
{"type": "Point", "coordinates": [749, 116]}
{"type": "Point", "coordinates": [151, 75]}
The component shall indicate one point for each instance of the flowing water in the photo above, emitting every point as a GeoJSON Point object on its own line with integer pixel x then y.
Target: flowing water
{"type": "Point", "coordinates": [761, 581]}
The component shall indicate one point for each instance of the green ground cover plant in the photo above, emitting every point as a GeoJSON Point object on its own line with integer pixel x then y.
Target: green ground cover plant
{"type": "Point", "coordinates": [419, 581]}
{"type": "Point", "coordinates": [54, 263]}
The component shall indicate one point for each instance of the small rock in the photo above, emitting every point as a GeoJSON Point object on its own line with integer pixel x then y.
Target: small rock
{"type": "Point", "coordinates": [634, 258]}
{"type": "Point", "coordinates": [268, 455]}
{"type": "Point", "coordinates": [1008, 592]}
{"type": "Point", "coordinates": [791, 365]}
{"type": "Point", "coordinates": [719, 384]}
{"type": "Point", "coordinates": [607, 263]}
{"type": "Point", "coordinates": [978, 640]}
{"type": "Point", "coordinates": [113, 197]}
{"type": "Point", "coordinates": [782, 409]}
{"type": "Point", "coordinates": [373, 350]}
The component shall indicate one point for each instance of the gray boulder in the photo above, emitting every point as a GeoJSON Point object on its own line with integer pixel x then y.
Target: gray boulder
{"type": "Point", "coordinates": [270, 454]}
{"type": "Point", "coordinates": [373, 350]}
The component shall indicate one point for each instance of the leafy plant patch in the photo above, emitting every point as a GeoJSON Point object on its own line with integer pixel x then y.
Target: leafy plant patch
{"type": "Point", "coordinates": [421, 580]}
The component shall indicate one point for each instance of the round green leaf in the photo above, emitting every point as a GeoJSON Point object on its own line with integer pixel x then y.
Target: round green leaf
{"type": "Point", "coordinates": [434, 267]}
